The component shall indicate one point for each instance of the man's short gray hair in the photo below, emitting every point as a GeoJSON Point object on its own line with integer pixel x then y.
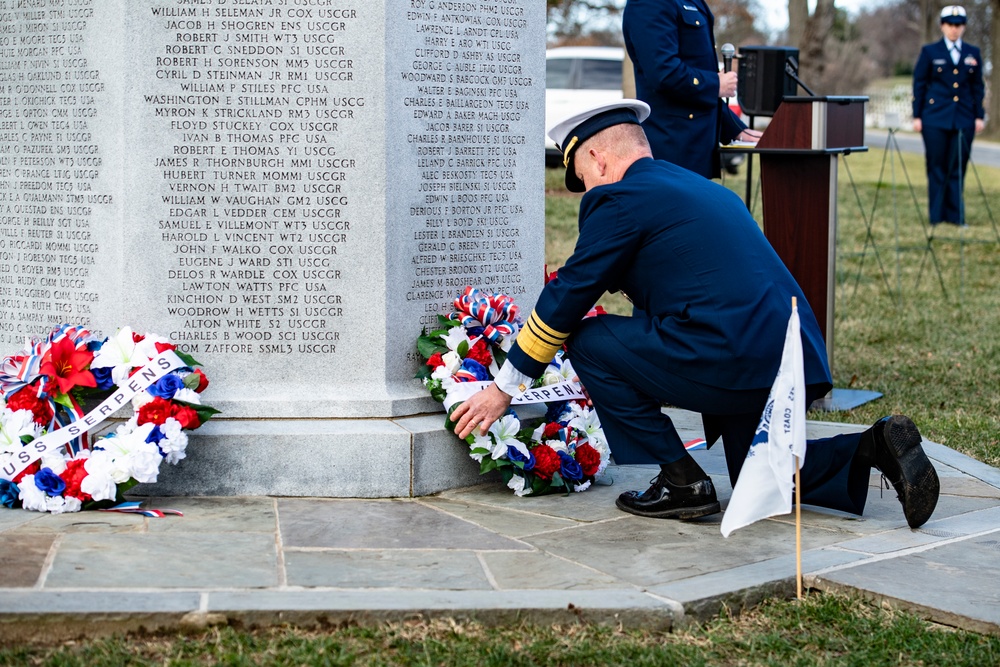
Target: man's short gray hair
{"type": "Point", "coordinates": [622, 140]}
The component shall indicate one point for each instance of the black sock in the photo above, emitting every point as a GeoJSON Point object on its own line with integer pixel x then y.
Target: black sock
{"type": "Point", "coordinates": [684, 471]}
{"type": "Point", "coordinates": [865, 454]}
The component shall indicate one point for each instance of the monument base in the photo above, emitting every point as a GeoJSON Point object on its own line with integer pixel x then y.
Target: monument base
{"type": "Point", "coordinates": [332, 458]}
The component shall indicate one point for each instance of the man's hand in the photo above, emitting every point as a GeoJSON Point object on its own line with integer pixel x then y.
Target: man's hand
{"type": "Point", "coordinates": [980, 124]}
{"type": "Point", "coordinates": [727, 84]}
{"type": "Point", "coordinates": [752, 136]}
{"type": "Point", "coordinates": [590, 401]}
{"type": "Point", "coordinates": [480, 411]}
{"type": "Point", "coordinates": [917, 125]}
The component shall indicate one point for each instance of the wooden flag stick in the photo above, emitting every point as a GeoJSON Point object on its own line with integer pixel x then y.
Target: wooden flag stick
{"type": "Point", "coordinates": [798, 530]}
{"type": "Point", "coordinates": [798, 514]}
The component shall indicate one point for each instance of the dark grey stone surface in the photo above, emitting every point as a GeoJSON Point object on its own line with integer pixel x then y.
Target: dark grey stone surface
{"type": "Point", "coordinates": [380, 524]}
{"type": "Point", "coordinates": [165, 561]}
{"type": "Point", "coordinates": [481, 553]}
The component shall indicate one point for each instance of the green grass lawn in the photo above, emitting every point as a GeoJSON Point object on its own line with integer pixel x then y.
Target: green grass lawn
{"type": "Point", "coordinates": [932, 351]}
{"type": "Point", "coordinates": [821, 630]}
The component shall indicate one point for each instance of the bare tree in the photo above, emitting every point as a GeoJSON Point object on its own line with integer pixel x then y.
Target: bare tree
{"type": "Point", "coordinates": [572, 21]}
{"type": "Point", "coordinates": [798, 15]}
{"type": "Point", "coordinates": [891, 36]}
{"type": "Point", "coordinates": [735, 22]}
{"type": "Point", "coordinates": [813, 44]}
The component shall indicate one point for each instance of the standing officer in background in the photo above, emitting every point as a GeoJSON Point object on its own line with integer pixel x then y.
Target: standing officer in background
{"type": "Point", "coordinates": [948, 111]}
{"type": "Point", "coordinates": [712, 301]}
{"type": "Point", "coordinates": [672, 48]}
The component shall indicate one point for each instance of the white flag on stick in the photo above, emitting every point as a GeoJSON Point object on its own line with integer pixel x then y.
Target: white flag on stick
{"type": "Point", "coordinates": [765, 485]}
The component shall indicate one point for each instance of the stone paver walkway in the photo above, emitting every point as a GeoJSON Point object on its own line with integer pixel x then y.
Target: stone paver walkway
{"type": "Point", "coordinates": [482, 553]}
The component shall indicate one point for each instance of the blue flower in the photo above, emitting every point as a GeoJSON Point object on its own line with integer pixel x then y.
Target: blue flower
{"type": "Point", "coordinates": [49, 482]}
{"type": "Point", "coordinates": [103, 378]}
{"type": "Point", "coordinates": [569, 469]}
{"type": "Point", "coordinates": [9, 494]}
{"type": "Point", "coordinates": [166, 386]}
{"type": "Point", "coordinates": [155, 436]}
{"type": "Point", "coordinates": [515, 455]}
{"type": "Point", "coordinates": [555, 411]}
{"type": "Point", "coordinates": [472, 366]}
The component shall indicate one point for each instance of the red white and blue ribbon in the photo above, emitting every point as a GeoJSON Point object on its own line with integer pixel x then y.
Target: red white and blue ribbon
{"type": "Point", "coordinates": [697, 443]}
{"type": "Point", "coordinates": [134, 507]}
{"type": "Point", "coordinates": [496, 314]}
{"type": "Point", "coordinates": [20, 370]}
{"type": "Point", "coordinates": [158, 366]}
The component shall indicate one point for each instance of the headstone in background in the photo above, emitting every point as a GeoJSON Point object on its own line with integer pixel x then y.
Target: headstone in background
{"type": "Point", "coordinates": [290, 189]}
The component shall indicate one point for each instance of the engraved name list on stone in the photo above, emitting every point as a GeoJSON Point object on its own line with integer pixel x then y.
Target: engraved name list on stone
{"type": "Point", "coordinates": [50, 166]}
{"type": "Point", "coordinates": [466, 103]}
{"type": "Point", "coordinates": [255, 204]}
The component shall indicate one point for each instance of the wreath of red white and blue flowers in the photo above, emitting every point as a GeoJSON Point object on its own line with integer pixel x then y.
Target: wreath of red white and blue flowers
{"type": "Point", "coordinates": [42, 392]}
{"type": "Point", "coordinates": [567, 451]}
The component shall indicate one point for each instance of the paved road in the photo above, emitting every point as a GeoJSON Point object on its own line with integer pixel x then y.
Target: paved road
{"type": "Point", "coordinates": [984, 153]}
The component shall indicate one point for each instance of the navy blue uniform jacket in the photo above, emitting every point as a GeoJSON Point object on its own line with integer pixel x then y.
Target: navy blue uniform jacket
{"type": "Point", "coordinates": [715, 295]}
{"type": "Point", "coordinates": [672, 48]}
{"type": "Point", "coordinates": [945, 95]}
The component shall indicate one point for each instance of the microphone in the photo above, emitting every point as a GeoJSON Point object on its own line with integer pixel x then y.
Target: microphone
{"type": "Point", "coordinates": [728, 50]}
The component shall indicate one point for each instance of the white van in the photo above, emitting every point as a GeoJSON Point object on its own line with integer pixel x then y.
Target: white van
{"type": "Point", "coordinates": [578, 78]}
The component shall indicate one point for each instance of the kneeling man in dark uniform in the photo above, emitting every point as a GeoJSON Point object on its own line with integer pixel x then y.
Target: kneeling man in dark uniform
{"type": "Point", "coordinates": [712, 301]}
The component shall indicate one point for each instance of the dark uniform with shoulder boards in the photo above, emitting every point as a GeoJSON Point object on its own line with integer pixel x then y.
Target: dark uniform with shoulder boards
{"type": "Point", "coordinates": [672, 48]}
{"type": "Point", "coordinates": [712, 301]}
{"type": "Point", "coordinates": [947, 99]}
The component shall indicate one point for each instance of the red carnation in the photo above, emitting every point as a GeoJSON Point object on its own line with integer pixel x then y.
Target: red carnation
{"type": "Point", "coordinates": [27, 399]}
{"type": "Point", "coordinates": [73, 475]}
{"type": "Point", "coordinates": [588, 458]}
{"type": "Point", "coordinates": [156, 411]}
{"type": "Point", "coordinates": [186, 415]}
{"type": "Point", "coordinates": [551, 430]}
{"type": "Point", "coordinates": [202, 381]}
{"type": "Point", "coordinates": [30, 470]}
{"type": "Point", "coordinates": [481, 352]}
{"type": "Point", "coordinates": [546, 461]}
{"type": "Point", "coordinates": [137, 337]}
{"type": "Point", "coordinates": [549, 277]}
{"type": "Point", "coordinates": [163, 347]}
{"type": "Point", "coordinates": [435, 361]}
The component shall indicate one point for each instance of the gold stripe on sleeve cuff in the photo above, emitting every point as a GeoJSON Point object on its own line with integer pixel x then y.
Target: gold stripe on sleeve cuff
{"type": "Point", "coordinates": [539, 341]}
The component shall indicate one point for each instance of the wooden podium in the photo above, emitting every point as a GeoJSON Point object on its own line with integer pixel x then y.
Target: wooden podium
{"type": "Point", "coordinates": [798, 157]}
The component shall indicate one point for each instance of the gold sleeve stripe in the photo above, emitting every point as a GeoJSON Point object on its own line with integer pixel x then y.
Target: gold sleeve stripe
{"type": "Point", "coordinates": [538, 341]}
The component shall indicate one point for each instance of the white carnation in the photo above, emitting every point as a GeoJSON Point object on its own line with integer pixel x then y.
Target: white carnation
{"type": "Point", "coordinates": [99, 481]}
{"type": "Point", "coordinates": [54, 460]}
{"type": "Point", "coordinates": [480, 442]}
{"type": "Point", "coordinates": [141, 399]}
{"type": "Point", "coordinates": [517, 484]}
{"type": "Point", "coordinates": [32, 498]}
{"type": "Point", "coordinates": [60, 505]}
{"type": "Point", "coordinates": [188, 396]}
{"type": "Point", "coordinates": [174, 441]}
{"type": "Point", "coordinates": [558, 445]}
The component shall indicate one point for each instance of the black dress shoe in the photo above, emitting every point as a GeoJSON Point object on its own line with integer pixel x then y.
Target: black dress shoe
{"type": "Point", "coordinates": [663, 500]}
{"type": "Point", "coordinates": [901, 459]}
